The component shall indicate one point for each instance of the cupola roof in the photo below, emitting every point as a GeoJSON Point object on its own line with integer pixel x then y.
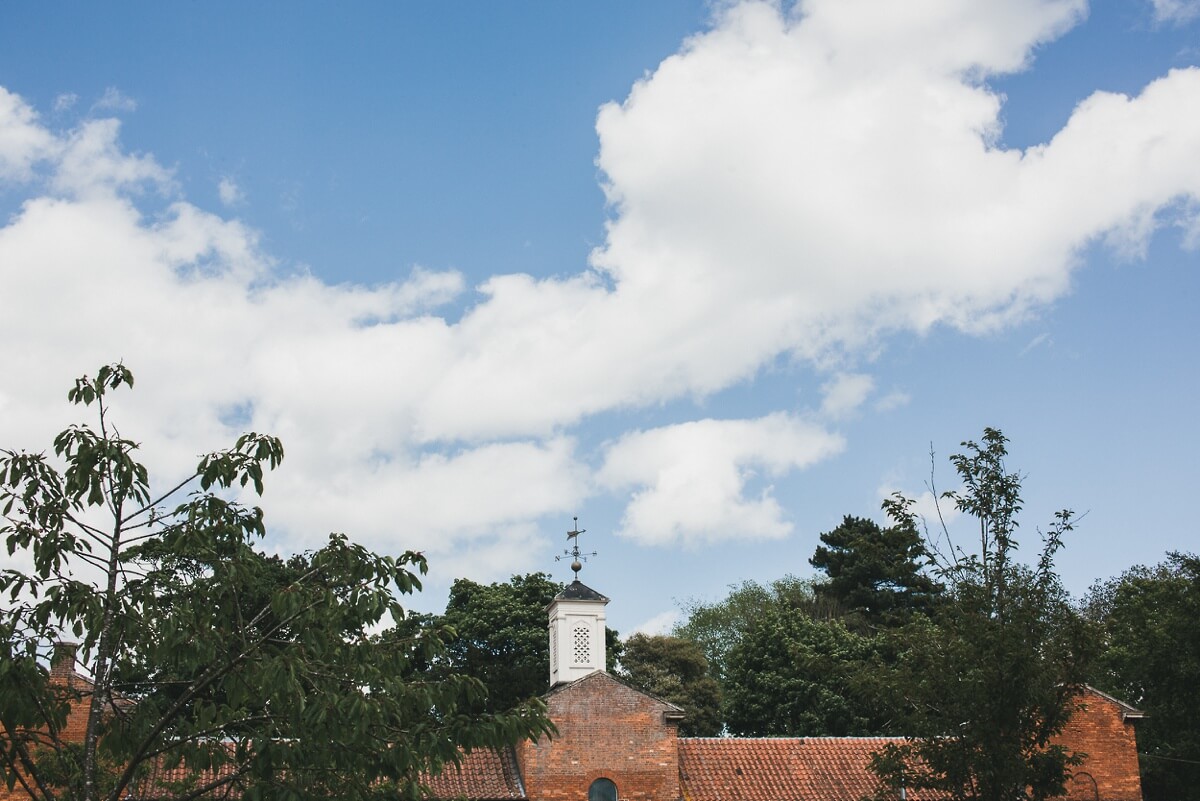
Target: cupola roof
{"type": "Point", "coordinates": [578, 591]}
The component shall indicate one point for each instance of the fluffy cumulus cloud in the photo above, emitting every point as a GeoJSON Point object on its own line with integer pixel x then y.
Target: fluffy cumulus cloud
{"type": "Point", "coordinates": [23, 141]}
{"type": "Point", "coordinates": [838, 165]}
{"type": "Point", "coordinates": [844, 393]}
{"type": "Point", "coordinates": [806, 182]}
{"type": "Point", "coordinates": [689, 481]}
{"type": "Point", "coordinates": [797, 181]}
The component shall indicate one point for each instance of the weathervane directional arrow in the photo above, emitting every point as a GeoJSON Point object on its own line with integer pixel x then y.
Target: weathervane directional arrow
{"type": "Point", "coordinates": [577, 557]}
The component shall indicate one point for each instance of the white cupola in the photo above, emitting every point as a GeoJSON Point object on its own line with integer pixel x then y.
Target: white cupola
{"type": "Point", "coordinates": [577, 621]}
{"type": "Point", "coordinates": [577, 624]}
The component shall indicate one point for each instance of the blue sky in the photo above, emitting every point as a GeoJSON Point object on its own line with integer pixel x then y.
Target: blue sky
{"type": "Point", "coordinates": [708, 276]}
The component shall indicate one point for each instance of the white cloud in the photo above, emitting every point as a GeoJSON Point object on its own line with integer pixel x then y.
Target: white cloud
{"type": "Point", "coordinates": [662, 623]}
{"type": "Point", "coordinates": [845, 393]}
{"type": "Point", "coordinates": [65, 101]}
{"type": "Point", "coordinates": [842, 164]}
{"type": "Point", "coordinates": [794, 185]}
{"type": "Point", "coordinates": [91, 162]}
{"type": "Point", "coordinates": [1176, 11]}
{"type": "Point", "coordinates": [192, 305]}
{"type": "Point", "coordinates": [229, 192]}
{"type": "Point", "coordinates": [114, 100]}
{"type": "Point", "coordinates": [689, 481]}
{"type": "Point", "coordinates": [1037, 342]}
{"type": "Point", "coordinates": [893, 400]}
{"type": "Point", "coordinates": [23, 141]}
{"type": "Point", "coordinates": [932, 510]}
{"type": "Point", "coordinates": [790, 183]}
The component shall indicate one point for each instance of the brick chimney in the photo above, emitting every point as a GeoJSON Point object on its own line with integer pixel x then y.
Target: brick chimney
{"type": "Point", "coordinates": [62, 664]}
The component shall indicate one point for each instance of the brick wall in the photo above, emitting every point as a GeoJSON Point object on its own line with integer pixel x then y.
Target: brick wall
{"type": "Point", "coordinates": [62, 674]}
{"type": "Point", "coordinates": [76, 690]}
{"type": "Point", "coordinates": [605, 730]}
{"type": "Point", "coordinates": [1103, 729]}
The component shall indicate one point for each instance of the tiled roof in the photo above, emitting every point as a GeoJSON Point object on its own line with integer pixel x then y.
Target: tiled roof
{"type": "Point", "coordinates": [780, 769]}
{"type": "Point", "coordinates": [163, 783]}
{"type": "Point", "coordinates": [484, 775]}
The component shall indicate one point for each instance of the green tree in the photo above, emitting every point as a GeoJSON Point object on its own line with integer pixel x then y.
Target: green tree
{"type": "Point", "coordinates": [259, 676]}
{"type": "Point", "coordinates": [794, 675]}
{"type": "Point", "coordinates": [500, 636]}
{"type": "Point", "coordinates": [719, 627]}
{"type": "Point", "coordinates": [787, 663]}
{"type": "Point", "coordinates": [1150, 656]}
{"type": "Point", "coordinates": [675, 670]}
{"type": "Point", "coordinates": [875, 573]}
{"type": "Point", "coordinates": [995, 676]}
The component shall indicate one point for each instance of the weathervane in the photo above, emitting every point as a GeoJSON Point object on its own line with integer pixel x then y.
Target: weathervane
{"type": "Point", "coordinates": [577, 556]}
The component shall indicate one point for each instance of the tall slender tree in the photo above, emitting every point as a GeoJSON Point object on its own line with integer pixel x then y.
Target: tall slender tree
{"type": "Point", "coordinates": [996, 674]}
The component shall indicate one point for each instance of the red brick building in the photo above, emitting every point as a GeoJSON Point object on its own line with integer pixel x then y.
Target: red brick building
{"type": "Point", "coordinates": [615, 743]}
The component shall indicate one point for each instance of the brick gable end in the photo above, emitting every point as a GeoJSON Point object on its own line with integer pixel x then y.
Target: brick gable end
{"type": "Point", "coordinates": [605, 730]}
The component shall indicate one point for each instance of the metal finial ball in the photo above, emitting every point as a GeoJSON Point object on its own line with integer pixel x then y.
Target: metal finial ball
{"type": "Point", "coordinates": [576, 566]}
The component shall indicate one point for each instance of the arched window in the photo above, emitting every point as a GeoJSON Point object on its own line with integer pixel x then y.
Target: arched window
{"type": "Point", "coordinates": [602, 790]}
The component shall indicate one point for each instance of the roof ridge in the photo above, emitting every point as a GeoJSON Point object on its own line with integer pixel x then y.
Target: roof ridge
{"type": "Point", "coordinates": [563, 685]}
{"type": "Point", "coordinates": [1128, 710]}
{"type": "Point", "coordinates": [794, 737]}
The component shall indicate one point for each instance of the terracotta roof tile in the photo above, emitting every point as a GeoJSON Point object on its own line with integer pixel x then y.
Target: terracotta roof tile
{"type": "Point", "coordinates": [161, 782]}
{"type": "Point", "coordinates": [780, 769]}
{"type": "Point", "coordinates": [484, 775]}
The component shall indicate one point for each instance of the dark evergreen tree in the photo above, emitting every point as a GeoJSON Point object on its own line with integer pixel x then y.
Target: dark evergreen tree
{"type": "Point", "coordinates": [875, 573]}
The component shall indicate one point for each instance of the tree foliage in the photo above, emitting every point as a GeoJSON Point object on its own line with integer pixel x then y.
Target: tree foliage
{"type": "Point", "coordinates": [259, 676]}
{"type": "Point", "coordinates": [875, 573]}
{"type": "Point", "coordinates": [994, 677]}
{"type": "Point", "coordinates": [787, 663]}
{"type": "Point", "coordinates": [793, 675]}
{"type": "Point", "coordinates": [500, 636]}
{"type": "Point", "coordinates": [676, 671]}
{"type": "Point", "coordinates": [719, 627]}
{"type": "Point", "coordinates": [1147, 621]}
